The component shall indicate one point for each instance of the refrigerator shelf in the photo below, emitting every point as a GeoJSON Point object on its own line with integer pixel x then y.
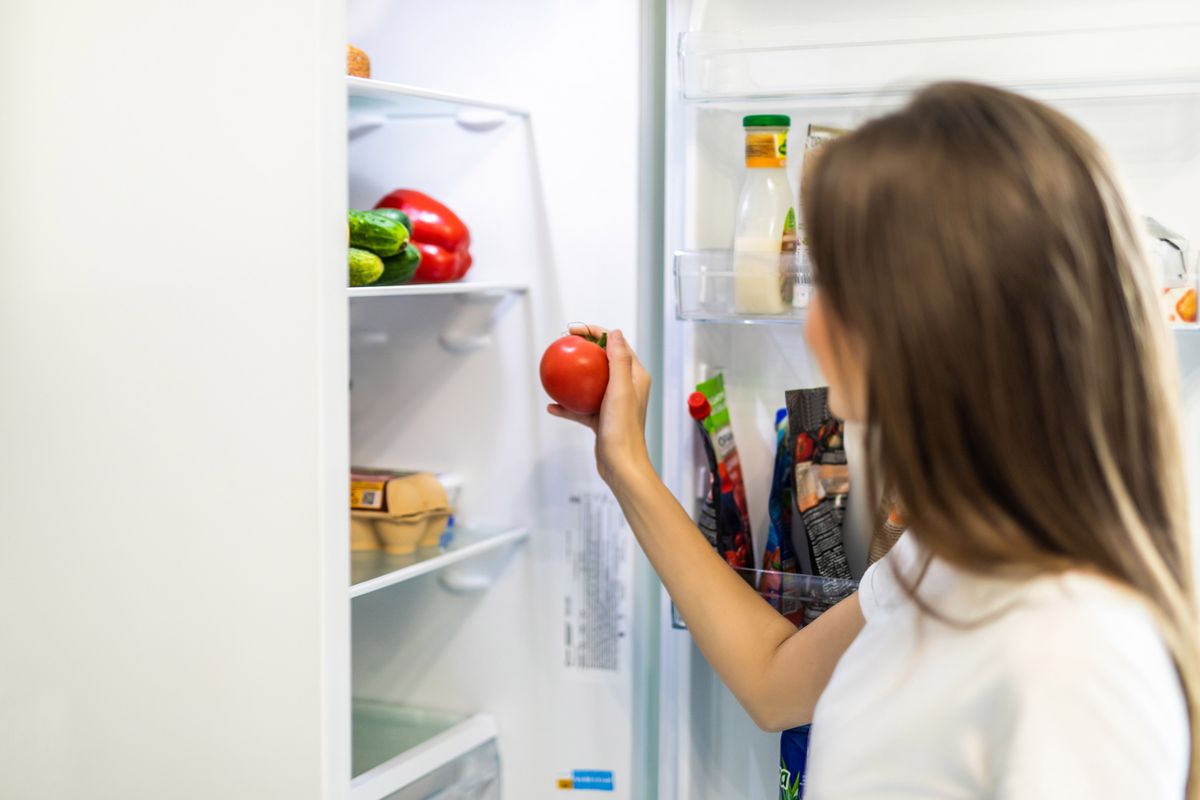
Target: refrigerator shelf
{"type": "Point", "coordinates": [372, 570]}
{"type": "Point", "coordinates": [373, 102]}
{"type": "Point", "coordinates": [394, 746]}
{"type": "Point", "coordinates": [848, 66]}
{"type": "Point", "coordinates": [490, 288]}
{"type": "Point", "coordinates": [1185, 327]}
{"type": "Point", "coordinates": [465, 328]}
{"type": "Point", "coordinates": [706, 290]}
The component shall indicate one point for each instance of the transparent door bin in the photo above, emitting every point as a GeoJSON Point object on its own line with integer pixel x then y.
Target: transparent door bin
{"type": "Point", "coordinates": [1178, 266]}
{"type": "Point", "coordinates": [849, 65]}
{"type": "Point", "coordinates": [806, 596]}
{"type": "Point", "coordinates": [800, 597]}
{"type": "Point", "coordinates": [707, 289]}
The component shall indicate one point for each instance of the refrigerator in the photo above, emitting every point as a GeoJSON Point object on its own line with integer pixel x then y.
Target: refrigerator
{"type": "Point", "coordinates": [191, 621]}
{"type": "Point", "coordinates": [654, 721]}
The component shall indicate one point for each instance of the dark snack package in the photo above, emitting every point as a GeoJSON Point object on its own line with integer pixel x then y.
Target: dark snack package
{"type": "Point", "coordinates": [779, 557]}
{"type": "Point", "coordinates": [822, 483]}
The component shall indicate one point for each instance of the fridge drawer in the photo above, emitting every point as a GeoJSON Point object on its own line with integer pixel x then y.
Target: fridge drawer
{"type": "Point", "coordinates": [474, 776]}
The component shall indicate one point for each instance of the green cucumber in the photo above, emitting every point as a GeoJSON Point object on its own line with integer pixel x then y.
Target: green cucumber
{"type": "Point", "coordinates": [396, 215]}
{"type": "Point", "coordinates": [365, 267]}
{"type": "Point", "coordinates": [379, 234]}
{"type": "Point", "coordinates": [401, 267]}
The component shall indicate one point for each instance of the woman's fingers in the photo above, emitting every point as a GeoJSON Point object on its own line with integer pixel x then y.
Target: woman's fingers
{"type": "Point", "coordinates": [641, 376]}
{"type": "Point", "coordinates": [620, 362]}
{"type": "Point", "coordinates": [586, 420]}
{"type": "Point", "coordinates": [582, 329]}
{"type": "Point", "coordinates": [628, 382]}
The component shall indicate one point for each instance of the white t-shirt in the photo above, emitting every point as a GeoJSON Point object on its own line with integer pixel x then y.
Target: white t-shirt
{"type": "Point", "coordinates": [1069, 692]}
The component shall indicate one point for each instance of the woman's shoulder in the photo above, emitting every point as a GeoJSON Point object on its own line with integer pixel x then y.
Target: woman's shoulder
{"type": "Point", "coordinates": [1082, 615]}
{"type": "Point", "coordinates": [1084, 661]}
{"type": "Point", "coordinates": [1066, 678]}
{"type": "Point", "coordinates": [1079, 628]}
{"type": "Point", "coordinates": [1074, 630]}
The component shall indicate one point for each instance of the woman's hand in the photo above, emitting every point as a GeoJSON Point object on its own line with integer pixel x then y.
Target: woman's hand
{"type": "Point", "coordinates": [620, 425]}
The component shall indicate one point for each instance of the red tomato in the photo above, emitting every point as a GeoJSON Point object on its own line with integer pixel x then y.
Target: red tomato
{"type": "Point", "coordinates": [574, 373]}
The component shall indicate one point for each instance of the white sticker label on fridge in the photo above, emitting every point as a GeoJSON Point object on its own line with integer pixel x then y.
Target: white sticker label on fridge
{"type": "Point", "coordinates": [597, 586]}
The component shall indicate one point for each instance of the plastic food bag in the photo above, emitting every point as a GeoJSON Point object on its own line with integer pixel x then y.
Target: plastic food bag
{"type": "Point", "coordinates": [779, 556]}
{"type": "Point", "coordinates": [722, 516]}
{"type": "Point", "coordinates": [732, 508]}
{"type": "Point", "coordinates": [793, 760]}
{"type": "Point", "coordinates": [889, 525]}
{"type": "Point", "coordinates": [822, 483]}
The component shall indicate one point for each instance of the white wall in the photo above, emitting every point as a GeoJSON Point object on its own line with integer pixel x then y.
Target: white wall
{"type": "Point", "coordinates": [172, 346]}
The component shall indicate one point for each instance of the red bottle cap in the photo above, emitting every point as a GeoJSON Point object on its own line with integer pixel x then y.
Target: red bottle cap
{"type": "Point", "coordinates": [698, 405]}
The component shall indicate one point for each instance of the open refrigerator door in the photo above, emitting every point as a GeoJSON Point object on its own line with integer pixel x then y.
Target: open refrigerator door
{"type": "Point", "coordinates": [1132, 81]}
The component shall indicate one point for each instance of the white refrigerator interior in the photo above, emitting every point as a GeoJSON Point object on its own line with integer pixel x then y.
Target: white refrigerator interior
{"type": "Point", "coordinates": [1130, 75]}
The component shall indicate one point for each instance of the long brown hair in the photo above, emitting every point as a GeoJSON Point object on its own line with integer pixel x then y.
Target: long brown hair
{"type": "Point", "coordinates": [1020, 385]}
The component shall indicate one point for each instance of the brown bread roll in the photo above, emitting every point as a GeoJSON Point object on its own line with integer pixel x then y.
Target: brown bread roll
{"type": "Point", "coordinates": [357, 63]}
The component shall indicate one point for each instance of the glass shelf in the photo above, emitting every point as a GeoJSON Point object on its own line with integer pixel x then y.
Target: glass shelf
{"type": "Point", "coordinates": [381, 100]}
{"type": "Point", "coordinates": [707, 290]}
{"type": "Point", "coordinates": [372, 570]}
{"type": "Point", "coordinates": [465, 328]}
{"type": "Point", "coordinates": [394, 746]}
{"type": "Point", "coordinates": [490, 288]}
{"type": "Point", "coordinates": [844, 64]}
{"type": "Point", "coordinates": [706, 287]}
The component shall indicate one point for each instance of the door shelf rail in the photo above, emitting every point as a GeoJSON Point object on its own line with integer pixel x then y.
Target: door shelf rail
{"type": "Point", "coordinates": [841, 65]}
{"type": "Point", "coordinates": [708, 289]}
{"type": "Point", "coordinates": [800, 598]}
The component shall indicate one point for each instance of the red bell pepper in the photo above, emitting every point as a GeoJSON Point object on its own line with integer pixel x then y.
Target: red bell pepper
{"type": "Point", "coordinates": [437, 232]}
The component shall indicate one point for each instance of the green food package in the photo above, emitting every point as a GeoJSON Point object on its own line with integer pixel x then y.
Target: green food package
{"type": "Point", "coordinates": [733, 489]}
{"type": "Point", "coordinates": [365, 267]}
{"type": "Point", "coordinates": [379, 234]}
{"type": "Point", "coordinates": [401, 267]}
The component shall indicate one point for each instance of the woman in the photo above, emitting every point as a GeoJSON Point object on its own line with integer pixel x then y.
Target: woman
{"type": "Point", "coordinates": [984, 309]}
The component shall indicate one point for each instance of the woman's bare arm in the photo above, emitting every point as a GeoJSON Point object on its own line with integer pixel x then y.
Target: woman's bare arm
{"type": "Point", "coordinates": [776, 671]}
